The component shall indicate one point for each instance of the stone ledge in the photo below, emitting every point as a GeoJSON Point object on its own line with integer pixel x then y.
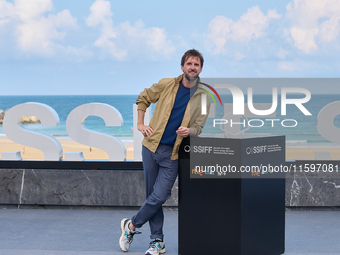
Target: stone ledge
{"type": "Point", "coordinates": [125, 188]}
{"type": "Point", "coordinates": [75, 187]}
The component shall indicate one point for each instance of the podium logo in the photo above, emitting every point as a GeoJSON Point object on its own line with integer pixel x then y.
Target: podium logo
{"type": "Point", "coordinates": [256, 149]}
{"type": "Point", "coordinates": [198, 149]}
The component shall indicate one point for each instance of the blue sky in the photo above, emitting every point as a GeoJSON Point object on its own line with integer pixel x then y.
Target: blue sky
{"type": "Point", "coordinates": [59, 47]}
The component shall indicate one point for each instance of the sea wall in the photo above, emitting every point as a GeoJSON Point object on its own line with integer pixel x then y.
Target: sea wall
{"type": "Point", "coordinates": [74, 187]}
{"type": "Point", "coordinates": [125, 187]}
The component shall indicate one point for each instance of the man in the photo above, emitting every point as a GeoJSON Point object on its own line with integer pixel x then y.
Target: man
{"type": "Point", "coordinates": [177, 114]}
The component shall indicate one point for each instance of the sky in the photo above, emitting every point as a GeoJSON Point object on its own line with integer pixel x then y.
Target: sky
{"type": "Point", "coordinates": [99, 47]}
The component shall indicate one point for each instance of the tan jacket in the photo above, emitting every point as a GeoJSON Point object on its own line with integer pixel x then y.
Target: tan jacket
{"type": "Point", "coordinates": [164, 93]}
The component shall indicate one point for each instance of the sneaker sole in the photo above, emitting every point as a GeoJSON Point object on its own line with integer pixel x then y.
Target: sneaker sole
{"type": "Point", "coordinates": [123, 233]}
{"type": "Point", "coordinates": [160, 252]}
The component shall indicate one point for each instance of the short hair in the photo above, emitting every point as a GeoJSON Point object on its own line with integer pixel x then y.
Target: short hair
{"type": "Point", "coordinates": [192, 53]}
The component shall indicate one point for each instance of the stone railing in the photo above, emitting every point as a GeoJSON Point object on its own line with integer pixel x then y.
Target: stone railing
{"type": "Point", "coordinates": [123, 185]}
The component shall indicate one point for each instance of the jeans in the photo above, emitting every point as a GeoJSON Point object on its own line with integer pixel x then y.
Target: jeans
{"type": "Point", "coordinates": [160, 174]}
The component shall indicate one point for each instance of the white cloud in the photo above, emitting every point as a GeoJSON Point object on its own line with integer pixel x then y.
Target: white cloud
{"type": "Point", "coordinates": [299, 66]}
{"type": "Point", "coordinates": [35, 31]}
{"type": "Point", "coordinates": [272, 14]}
{"type": "Point", "coordinates": [6, 11]}
{"type": "Point", "coordinates": [282, 53]}
{"type": "Point", "coordinates": [304, 38]}
{"type": "Point", "coordinates": [153, 38]}
{"type": "Point", "coordinates": [219, 32]}
{"type": "Point", "coordinates": [101, 15]}
{"type": "Point", "coordinates": [250, 26]}
{"type": "Point", "coordinates": [330, 29]}
{"type": "Point", "coordinates": [313, 22]}
{"type": "Point", "coordinates": [239, 56]}
{"type": "Point", "coordinates": [40, 34]}
{"type": "Point", "coordinates": [33, 9]}
{"type": "Point", "coordinates": [125, 39]}
{"type": "Point", "coordinates": [287, 65]}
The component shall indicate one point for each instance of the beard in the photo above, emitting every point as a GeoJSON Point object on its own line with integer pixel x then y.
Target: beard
{"type": "Point", "coordinates": [191, 78]}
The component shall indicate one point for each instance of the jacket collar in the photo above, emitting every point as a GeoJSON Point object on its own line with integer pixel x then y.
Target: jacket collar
{"type": "Point", "coordinates": [179, 78]}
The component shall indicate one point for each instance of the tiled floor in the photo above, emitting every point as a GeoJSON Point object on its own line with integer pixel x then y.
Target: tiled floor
{"type": "Point", "coordinates": [59, 231]}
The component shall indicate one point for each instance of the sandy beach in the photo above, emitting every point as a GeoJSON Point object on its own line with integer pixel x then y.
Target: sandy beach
{"type": "Point", "coordinates": [94, 154]}
{"type": "Point", "coordinates": [67, 145]}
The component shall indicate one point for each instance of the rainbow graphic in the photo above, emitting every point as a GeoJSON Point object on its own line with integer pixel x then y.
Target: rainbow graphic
{"type": "Point", "coordinates": [209, 93]}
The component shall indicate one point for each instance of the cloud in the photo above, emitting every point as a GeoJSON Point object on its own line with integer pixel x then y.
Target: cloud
{"type": "Point", "coordinates": [126, 38]}
{"type": "Point", "coordinates": [298, 66]}
{"type": "Point", "coordinates": [34, 30]}
{"type": "Point", "coordinates": [304, 38]}
{"type": "Point", "coordinates": [281, 54]}
{"type": "Point", "coordinates": [239, 56]}
{"type": "Point", "coordinates": [6, 11]}
{"type": "Point", "coordinates": [101, 15]}
{"type": "Point", "coordinates": [313, 22]}
{"type": "Point", "coordinates": [251, 26]}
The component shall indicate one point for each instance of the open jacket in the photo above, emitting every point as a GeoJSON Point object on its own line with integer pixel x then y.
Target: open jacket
{"type": "Point", "coordinates": [164, 93]}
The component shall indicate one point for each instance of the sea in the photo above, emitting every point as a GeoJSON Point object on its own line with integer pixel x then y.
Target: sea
{"type": "Point", "coordinates": [305, 132]}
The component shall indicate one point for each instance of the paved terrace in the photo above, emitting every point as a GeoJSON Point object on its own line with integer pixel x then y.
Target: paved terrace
{"type": "Point", "coordinates": [94, 231]}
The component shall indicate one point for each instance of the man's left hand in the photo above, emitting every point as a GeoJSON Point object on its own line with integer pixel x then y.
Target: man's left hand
{"type": "Point", "coordinates": [183, 131]}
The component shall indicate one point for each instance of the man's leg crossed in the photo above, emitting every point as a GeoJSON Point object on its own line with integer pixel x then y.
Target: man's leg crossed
{"type": "Point", "coordinates": [161, 191]}
{"type": "Point", "coordinates": [160, 174]}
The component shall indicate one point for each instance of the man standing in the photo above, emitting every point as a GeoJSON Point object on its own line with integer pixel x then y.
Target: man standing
{"type": "Point", "coordinates": [177, 114]}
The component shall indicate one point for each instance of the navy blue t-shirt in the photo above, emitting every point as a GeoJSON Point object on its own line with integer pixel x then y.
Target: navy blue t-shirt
{"type": "Point", "coordinates": [177, 114]}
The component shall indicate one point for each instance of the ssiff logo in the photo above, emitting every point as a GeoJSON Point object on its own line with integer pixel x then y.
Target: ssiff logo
{"type": "Point", "coordinates": [256, 149]}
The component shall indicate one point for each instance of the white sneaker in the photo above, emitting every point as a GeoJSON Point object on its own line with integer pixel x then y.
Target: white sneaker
{"type": "Point", "coordinates": [127, 235]}
{"type": "Point", "coordinates": [157, 246]}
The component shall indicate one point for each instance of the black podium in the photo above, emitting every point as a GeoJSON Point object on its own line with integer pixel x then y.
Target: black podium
{"type": "Point", "coordinates": [232, 213]}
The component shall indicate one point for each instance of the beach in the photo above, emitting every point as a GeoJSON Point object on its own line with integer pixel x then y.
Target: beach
{"type": "Point", "coordinates": [292, 153]}
{"type": "Point", "coordinates": [68, 146]}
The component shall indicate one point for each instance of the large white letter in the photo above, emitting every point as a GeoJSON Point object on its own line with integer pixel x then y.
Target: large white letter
{"type": "Point", "coordinates": [326, 126]}
{"type": "Point", "coordinates": [238, 98]}
{"type": "Point", "coordinates": [78, 132]}
{"type": "Point", "coordinates": [297, 101]}
{"type": "Point", "coordinates": [17, 133]}
{"type": "Point", "coordinates": [262, 112]}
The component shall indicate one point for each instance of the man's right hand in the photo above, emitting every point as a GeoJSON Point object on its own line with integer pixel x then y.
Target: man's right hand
{"type": "Point", "coordinates": [146, 130]}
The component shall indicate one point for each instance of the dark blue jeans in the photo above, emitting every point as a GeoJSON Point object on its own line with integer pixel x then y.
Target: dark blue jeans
{"type": "Point", "coordinates": [160, 174]}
